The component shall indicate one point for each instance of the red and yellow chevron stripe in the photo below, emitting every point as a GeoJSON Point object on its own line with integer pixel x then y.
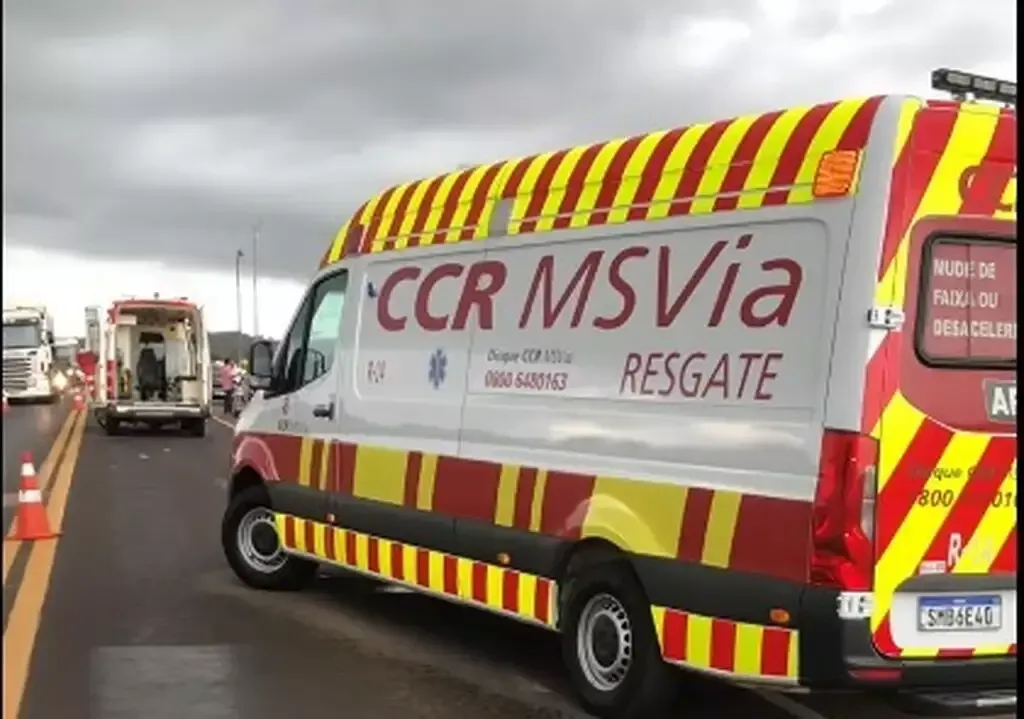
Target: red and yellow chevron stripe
{"type": "Point", "coordinates": [744, 163]}
{"type": "Point", "coordinates": [505, 591]}
{"type": "Point", "coordinates": [716, 528]}
{"type": "Point", "coordinates": [743, 651]}
{"type": "Point", "coordinates": [937, 143]}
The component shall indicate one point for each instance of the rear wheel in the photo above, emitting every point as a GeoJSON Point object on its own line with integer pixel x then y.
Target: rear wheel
{"type": "Point", "coordinates": [610, 646]}
{"type": "Point", "coordinates": [112, 427]}
{"type": "Point", "coordinates": [195, 427]}
{"type": "Point", "coordinates": [253, 549]}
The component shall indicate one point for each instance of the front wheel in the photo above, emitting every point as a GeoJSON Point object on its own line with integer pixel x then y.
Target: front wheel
{"type": "Point", "coordinates": [253, 549]}
{"type": "Point", "coordinates": [610, 646]}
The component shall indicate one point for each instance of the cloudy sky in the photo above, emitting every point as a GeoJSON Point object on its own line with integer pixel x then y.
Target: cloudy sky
{"type": "Point", "coordinates": [143, 140]}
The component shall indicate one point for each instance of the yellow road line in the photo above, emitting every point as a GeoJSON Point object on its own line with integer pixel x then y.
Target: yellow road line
{"type": "Point", "coordinates": [44, 475]}
{"type": "Point", "coordinates": [26, 613]}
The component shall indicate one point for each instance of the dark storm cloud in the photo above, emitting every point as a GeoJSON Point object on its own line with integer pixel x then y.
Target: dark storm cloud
{"type": "Point", "coordinates": [165, 129]}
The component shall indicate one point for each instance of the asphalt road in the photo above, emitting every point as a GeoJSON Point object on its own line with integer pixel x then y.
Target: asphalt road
{"type": "Point", "coordinates": [32, 428]}
{"type": "Point", "coordinates": [143, 619]}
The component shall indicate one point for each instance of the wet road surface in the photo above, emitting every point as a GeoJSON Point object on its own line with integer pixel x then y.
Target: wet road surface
{"type": "Point", "coordinates": [27, 428]}
{"type": "Point", "coordinates": [143, 619]}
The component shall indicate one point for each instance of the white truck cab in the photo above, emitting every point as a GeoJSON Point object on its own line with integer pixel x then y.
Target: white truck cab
{"type": "Point", "coordinates": [153, 365]}
{"type": "Point", "coordinates": [28, 354]}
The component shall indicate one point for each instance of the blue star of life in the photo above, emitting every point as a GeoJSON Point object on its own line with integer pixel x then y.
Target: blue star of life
{"type": "Point", "coordinates": [438, 368]}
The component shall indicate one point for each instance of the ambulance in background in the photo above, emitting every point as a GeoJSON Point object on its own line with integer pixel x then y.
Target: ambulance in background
{"type": "Point", "coordinates": [28, 354]}
{"type": "Point", "coordinates": [152, 364]}
{"type": "Point", "coordinates": [738, 397]}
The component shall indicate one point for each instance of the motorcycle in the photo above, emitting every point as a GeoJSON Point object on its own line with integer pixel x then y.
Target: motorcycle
{"type": "Point", "coordinates": [241, 393]}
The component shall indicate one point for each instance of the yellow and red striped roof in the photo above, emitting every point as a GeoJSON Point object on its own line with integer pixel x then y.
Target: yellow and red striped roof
{"type": "Point", "coordinates": [740, 163]}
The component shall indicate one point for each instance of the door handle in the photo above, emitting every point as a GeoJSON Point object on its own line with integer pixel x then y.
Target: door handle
{"type": "Point", "coordinates": [325, 411]}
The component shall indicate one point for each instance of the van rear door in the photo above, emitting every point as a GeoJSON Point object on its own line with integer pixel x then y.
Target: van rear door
{"type": "Point", "coordinates": [946, 506]}
{"type": "Point", "coordinates": [946, 557]}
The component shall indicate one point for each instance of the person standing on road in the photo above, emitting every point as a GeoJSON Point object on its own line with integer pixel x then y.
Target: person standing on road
{"type": "Point", "coordinates": [227, 383]}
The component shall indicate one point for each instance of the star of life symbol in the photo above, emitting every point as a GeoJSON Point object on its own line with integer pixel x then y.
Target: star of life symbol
{"type": "Point", "coordinates": [438, 368]}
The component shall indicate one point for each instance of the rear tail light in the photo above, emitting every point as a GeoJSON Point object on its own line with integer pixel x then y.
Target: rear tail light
{"type": "Point", "coordinates": [843, 524]}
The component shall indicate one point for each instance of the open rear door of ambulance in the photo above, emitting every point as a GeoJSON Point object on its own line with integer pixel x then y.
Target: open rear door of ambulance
{"type": "Point", "coordinates": [946, 539]}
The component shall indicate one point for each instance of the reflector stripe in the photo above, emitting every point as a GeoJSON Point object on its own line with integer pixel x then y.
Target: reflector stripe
{"type": "Point", "coordinates": [914, 472]}
{"type": "Point", "coordinates": [451, 204]}
{"type": "Point", "coordinates": [612, 178]}
{"type": "Point", "coordinates": [525, 596]}
{"type": "Point", "coordinates": [538, 193]}
{"type": "Point", "coordinates": [551, 204]}
{"type": "Point", "coordinates": [742, 162]}
{"type": "Point", "coordinates": [622, 180]}
{"type": "Point", "coordinates": [628, 185]}
{"type": "Point", "coordinates": [422, 214]}
{"type": "Point", "coordinates": [651, 177]}
{"type": "Point", "coordinates": [571, 193]}
{"type": "Point", "coordinates": [742, 650]}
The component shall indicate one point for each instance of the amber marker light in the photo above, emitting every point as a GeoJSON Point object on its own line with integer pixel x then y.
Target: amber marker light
{"type": "Point", "coordinates": [836, 174]}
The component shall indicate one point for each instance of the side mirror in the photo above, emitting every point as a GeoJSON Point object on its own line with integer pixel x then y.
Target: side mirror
{"type": "Point", "coordinates": [261, 364]}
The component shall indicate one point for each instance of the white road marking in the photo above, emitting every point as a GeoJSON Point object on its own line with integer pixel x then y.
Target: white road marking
{"type": "Point", "coordinates": [224, 422]}
{"type": "Point", "coordinates": [394, 589]}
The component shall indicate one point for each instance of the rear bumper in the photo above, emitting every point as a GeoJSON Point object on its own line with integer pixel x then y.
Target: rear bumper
{"type": "Point", "coordinates": [838, 653]}
{"type": "Point", "coordinates": [38, 392]}
{"type": "Point", "coordinates": [160, 413]}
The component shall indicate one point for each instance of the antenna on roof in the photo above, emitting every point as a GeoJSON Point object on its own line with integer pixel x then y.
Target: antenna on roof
{"type": "Point", "coordinates": [965, 86]}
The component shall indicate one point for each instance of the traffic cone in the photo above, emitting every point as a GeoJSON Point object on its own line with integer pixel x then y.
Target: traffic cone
{"type": "Point", "coordinates": [31, 521]}
{"type": "Point", "coordinates": [7, 407]}
{"type": "Point", "coordinates": [78, 404]}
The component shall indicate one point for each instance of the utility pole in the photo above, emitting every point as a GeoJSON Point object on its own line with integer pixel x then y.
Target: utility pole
{"type": "Point", "coordinates": [238, 301]}
{"type": "Point", "coordinates": [255, 275]}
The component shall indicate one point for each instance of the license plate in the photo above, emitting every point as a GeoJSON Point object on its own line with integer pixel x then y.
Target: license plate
{"type": "Point", "coordinates": [952, 613]}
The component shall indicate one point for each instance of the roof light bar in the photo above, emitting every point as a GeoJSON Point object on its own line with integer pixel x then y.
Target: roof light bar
{"type": "Point", "coordinates": [965, 85]}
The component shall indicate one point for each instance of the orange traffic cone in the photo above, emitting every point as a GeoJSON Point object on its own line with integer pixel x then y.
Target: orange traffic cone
{"type": "Point", "coordinates": [78, 404]}
{"type": "Point", "coordinates": [31, 521]}
{"type": "Point", "coordinates": [7, 407]}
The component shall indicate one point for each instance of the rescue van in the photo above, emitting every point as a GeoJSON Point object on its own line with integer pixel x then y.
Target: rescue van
{"type": "Point", "coordinates": [738, 397]}
{"type": "Point", "coordinates": [153, 364]}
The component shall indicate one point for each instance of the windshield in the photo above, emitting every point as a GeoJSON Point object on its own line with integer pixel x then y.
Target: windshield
{"type": "Point", "coordinates": [65, 353]}
{"type": "Point", "coordinates": [968, 314]}
{"type": "Point", "coordinates": [22, 335]}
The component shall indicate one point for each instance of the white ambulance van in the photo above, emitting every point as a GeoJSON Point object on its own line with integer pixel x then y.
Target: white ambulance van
{"type": "Point", "coordinates": [153, 365]}
{"type": "Point", "coordinates": [738, 397]}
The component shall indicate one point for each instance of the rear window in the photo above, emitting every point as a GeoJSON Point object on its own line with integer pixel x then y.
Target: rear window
{"type": "Point", "coordinates": [967, 314]}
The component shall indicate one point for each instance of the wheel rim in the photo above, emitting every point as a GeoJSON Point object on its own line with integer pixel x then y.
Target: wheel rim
{"type": "Point", "coordinates": [604, 642]}
{"type": "Point", "coordinates": [257, 540]}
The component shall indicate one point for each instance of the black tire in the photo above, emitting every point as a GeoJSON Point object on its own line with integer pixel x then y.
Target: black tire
{"type": "Point", "coordinates": [291, 574]}
{"type": "Point", "coordinates": [195, 427]}
{"type": "Point", "coordinates": [649, 685]}
{"type": "Point", "coordinates": [112, 427]}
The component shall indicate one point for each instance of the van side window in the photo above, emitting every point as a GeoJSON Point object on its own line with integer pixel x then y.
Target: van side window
{"type": "Point", "coordinates": [325, 326]}
{"type": "Point", "coordinates": [307, 351]}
